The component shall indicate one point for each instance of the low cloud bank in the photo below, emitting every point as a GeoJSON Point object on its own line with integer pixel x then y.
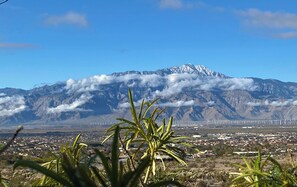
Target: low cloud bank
{"type": "Point", "coordinates": [93, 83]}
{"type": "Point", "coordinates": [228, 84]}
{"type": "Point", "coordinates": [274, 103]}
{"type": "Point", "coordinates": [10, 105]}
{"type": "Point", "coordinates": [167, 104]}
{"type": "Point", "coordinates": [172, 83]}
{"type": "Point", "coordinates": [71, 106]}
{"type": "Point", "coordinates": [178, 104]}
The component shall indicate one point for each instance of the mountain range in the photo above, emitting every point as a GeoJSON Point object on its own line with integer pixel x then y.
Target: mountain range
{"type": "Point", "coordinates": [190, 93]}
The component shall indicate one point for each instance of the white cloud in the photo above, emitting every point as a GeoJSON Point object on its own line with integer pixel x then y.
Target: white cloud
{"type": "Point", "coordinates": [2, 94]}
{"type": "Point", "coordinates": [177, 104]}
{"type": "Point", "coordinates": [71, 106]}
{"type": "Point", "coordinates": [276, 24]}
{"type": "Point", "coordinates": [280, 103]}
{"type": "Point", "coordinates": [10, 105]}
{"type": "Point", "coordinates": [254, 103]}
{"type": "Point", "coordinates": [167, 104]}
{"type": "Point", "coordinates": [172, 83]}
{"type": "Point", "coordinates": [151, 80]}
{"type": "Point", "coordinates": [173, 78]}
{"type": "Point", "coordinates": [127, 104]}
{"type": "Point", "coordinates": [70, 18]}
{"type": "Point", "coordinates": [124, 105]}
{"type": "Point", "coordinates": [186, 4]}
{"type": "Point", "coordinates": [274, 103]}
{"type": "Point", "coordinates": [233, 84]}
{"type": "Point", "coordinates": [277, 20]}
{"type": "Point", "coordinates": [171, 4]}
{"type": "Point", "coordinates": [286, 35]}
{"type": "Point", "coordinates": [93, 83]}
{"type": "Point", "coordinates": [6, 45]}
{"type": "Point", "coordinates": [175, 87]}
{"type": "Point", "coordinates": [211, 103]}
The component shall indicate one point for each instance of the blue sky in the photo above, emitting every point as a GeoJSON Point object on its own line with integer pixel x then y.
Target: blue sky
{"type": "Point", "coordinates": [52, 40]}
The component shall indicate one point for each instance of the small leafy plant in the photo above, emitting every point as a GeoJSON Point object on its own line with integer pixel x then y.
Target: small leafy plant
{"type": "Point", "coordinates": [261, 172]}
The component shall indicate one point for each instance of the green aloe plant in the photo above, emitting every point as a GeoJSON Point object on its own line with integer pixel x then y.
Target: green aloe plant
{"type": "Point", "coordinates": [252, 173]}
{"type": "Point", "coordinates": [264, 173]}
{"type": "Point", "coordinates": [116, 173]}
{"type": "Point", "coordinates": [65, 170]}
{"type": "Point", "coordinates": [151, 139]}
{"type": "Point", "coordinates": [286, 176]}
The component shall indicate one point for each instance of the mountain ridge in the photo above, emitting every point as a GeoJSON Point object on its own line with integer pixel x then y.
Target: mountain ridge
{"type": "Point", "coordinates": [191, 93]}
{"type": "Point", "coordinates": [185, 68]}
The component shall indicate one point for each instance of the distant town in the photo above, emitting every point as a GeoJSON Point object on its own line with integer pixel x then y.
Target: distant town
{"type": "Point", "coordinates": [210, 144]}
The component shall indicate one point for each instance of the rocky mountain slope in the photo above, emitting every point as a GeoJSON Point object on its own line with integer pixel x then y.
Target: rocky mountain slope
{"type": "Point", "coordinates": [190, 92]}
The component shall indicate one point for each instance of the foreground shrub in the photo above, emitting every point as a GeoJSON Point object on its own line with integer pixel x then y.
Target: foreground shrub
{"type": "Point", "coordinates": [150, 139]}
{"type": "Point", "coordinates": [74, 168]}
{"type": "Point", "coordinates": [267, 172]}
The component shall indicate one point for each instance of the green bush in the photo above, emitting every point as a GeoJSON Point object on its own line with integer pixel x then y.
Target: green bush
{"type": "Point", "coordinates": [267, 172]}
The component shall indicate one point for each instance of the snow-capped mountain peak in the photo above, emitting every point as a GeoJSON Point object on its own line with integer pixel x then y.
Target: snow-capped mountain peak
{"type": "Point", "coordinates": [195, 69]}
{"type": "Point", "coordinates": [199, 70]}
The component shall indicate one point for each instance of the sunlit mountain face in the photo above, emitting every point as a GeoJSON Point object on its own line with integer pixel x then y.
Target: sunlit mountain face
{"type": "Point", "coordinates": [189, 92]}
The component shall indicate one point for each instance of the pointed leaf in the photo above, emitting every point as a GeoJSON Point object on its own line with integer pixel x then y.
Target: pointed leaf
{"type": "Point", "coordinates": [37, 167]}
